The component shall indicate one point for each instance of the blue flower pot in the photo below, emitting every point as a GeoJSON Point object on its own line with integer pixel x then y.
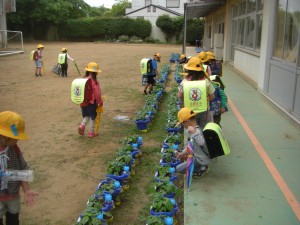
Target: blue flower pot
{"type": "Point", "coordinates": [135, 153]}
{"type": "Point", "coordinates": [142, 124]}
{"type": "Point", "coordinates": [173, 163]}
{"type": "Point", "coordinates": [172, 177]}
{"type": "Point", "coordinates": [118, 178]}
{"type": "Point", "coordinates": [117, 189]}
{"type": "Point", "coordinates": [174, 130]}
{"type": "Point", "coordinates": [171, 213]}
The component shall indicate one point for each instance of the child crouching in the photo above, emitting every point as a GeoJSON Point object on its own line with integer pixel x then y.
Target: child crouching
{"type": "Point", "coordinates": [201, 156]}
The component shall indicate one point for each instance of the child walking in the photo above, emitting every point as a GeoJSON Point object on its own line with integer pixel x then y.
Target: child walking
{"type": "Point", "coordinates": [12, 129]}
{"type": "Point", "coordinates": [92, 99]}
{"type": "Point", "coordinates": [201, 156]}
{"type": "Point", "coordinates": [153, 73]}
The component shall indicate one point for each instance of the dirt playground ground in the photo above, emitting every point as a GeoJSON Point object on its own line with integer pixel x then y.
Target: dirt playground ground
{"type": "Point", "coordinates": [68, 167]}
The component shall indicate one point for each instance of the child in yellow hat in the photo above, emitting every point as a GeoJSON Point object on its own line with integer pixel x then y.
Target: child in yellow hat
{"type": "Point", "coordinates": [12, 129]}
{"type": "Point", "coordinates": [201, 158]}
{"type": "Point", "coordinates": [92, 100]}
{"type": "Point", "coordinates": [38, 60]}
{"type": "Point", "coordinates": [63, 61]}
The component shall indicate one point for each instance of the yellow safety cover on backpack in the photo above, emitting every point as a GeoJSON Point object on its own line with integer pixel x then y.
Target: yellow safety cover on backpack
{"type": "Point", "coordinates": [77, 90]}
{"type": "Point", "coordinates": [61, 58]}
{"type": "Point", "coordinates": [215, 140]}
{"type": "Point", "coordinates": [195, 96]}
{"type": "Point", "coordinates": [145, 66]}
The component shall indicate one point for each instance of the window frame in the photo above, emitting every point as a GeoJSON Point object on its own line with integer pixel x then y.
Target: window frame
{"type": "Point", "coordinates": [146, 2]}
{"type": "Point", "coordinates": [168, 1]}
{"type": "Point", "coordinates": [240, 13]}
{"type": "Point", "coordinates": [280, 49]}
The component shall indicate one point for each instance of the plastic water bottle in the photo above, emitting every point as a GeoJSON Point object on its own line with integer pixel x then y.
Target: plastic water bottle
{"type": "Point", "coordinates": [169, 220]}
{"type": "Point", "coordinates": [173, 201]}
{"type": "Point", "coordinates": [134, 145]}
{"type": "Point", "coordinates": [107, 198]}
{"type": "Point", "coordinates": [172, 170]}
{"type": "Point", "coordinates": [19, 175]}
{"type": "Point", "coordinates": [117, 184]}
{"type": "Point", "coordinates": [100, 216]}
{"type": "Point", "coordinates": [175, 147]}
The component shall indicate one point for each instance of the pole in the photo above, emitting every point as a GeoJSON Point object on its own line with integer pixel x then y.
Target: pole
{"type": "Point", "coordinates": [77, 67]}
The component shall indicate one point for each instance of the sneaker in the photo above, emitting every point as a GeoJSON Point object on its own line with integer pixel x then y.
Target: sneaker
{"type": "Point", "coordinates": [81, 129]}
{"type": "Point", "coordinates": [91, 134]}
{"type": "Point", "coordinates": [201, 173]}
{"type": "Point", "coordinates": [145, 92]}
{"type": "Point", "coordinates": [150, 92]}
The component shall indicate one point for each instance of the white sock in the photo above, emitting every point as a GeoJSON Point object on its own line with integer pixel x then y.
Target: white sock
{"type": "Point", "coordinates": [85, 121]}
{"type": "Point", "coordinates": [92, 125]}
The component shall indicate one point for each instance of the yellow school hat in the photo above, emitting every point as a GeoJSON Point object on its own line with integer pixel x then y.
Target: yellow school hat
{"type": "Point", "coordinates": [184, 114]}
{"type": "Point", "coordinates": [93, 67]}
{"type": "Point", "coordinates": [193, 64]}
{"type": "Point", "coordinates": [12, 125]}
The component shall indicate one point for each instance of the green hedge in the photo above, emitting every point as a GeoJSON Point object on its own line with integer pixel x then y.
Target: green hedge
{"type": "Point", "coordinates": [88, 29]}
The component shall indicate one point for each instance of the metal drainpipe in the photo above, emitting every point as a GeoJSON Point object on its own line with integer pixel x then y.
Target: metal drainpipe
{"type": "Point", "coordinates": [184, 29]}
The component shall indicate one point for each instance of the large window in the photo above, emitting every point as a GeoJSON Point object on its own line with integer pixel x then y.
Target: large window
{"type": "Point", "coordinates": [220, 23]}
{"type": "Point", "coordinates": [247, 24]}
{"type": "Point", "coordinates": [173, 3]}
{"type": "Point", "coordinates": [287, 30]}
{"type": "Point", "coordinates": [208, 27]}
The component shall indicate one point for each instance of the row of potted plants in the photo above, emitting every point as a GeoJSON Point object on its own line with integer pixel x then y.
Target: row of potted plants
{"type": "Point", "coordinates": [164, 206]}
{"type": "Point", "coordinates": [147, 112]}
{"type": "Point", "coordinates": [174, 57]}
{"type": "Point", "coordinates": [108, 192]}
{"type": "Point", "coordinates": [178, 73]}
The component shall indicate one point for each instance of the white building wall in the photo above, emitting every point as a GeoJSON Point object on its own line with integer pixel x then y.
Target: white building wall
{"type": "Point", "coordinates": [247, 64]}
{"type": "Point", "coordinates": [137, 4]}
{"type": "Point", "coordinates": [277, 79]}
{"type": "Point", "coordinates": [152, 17]}
{"type": "Point", "coordinates": [266, 44]}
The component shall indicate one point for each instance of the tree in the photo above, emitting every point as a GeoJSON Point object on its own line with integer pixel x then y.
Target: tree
{"type": "Point", "coordinates": [33, 17]}
{"type": "Point", "coordinates": [169, 25]}
{"type": "Point", "coordinates": [118, 9]}
{"type": "Point", "coordinates": [97, 11]}
{"type": "Point", "coordinates": [194, 27]}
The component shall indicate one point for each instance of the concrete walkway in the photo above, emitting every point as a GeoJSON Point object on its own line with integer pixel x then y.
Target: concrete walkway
{"type": "Point", "coordinates": [258, 183]}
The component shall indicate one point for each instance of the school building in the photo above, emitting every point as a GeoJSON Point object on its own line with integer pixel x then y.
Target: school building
{"type": "Point", "coordinates": [260, 39]}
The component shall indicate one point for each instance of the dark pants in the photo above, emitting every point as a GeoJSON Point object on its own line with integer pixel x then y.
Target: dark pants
{"type": "Point", "coordinates": [11, 219]}
{"type": "Point", "coordinates": [64, 70]}
{"type": "Point", "coordinates": [217, 119]}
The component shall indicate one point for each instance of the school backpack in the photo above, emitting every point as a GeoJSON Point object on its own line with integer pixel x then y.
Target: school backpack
{"type": "Point", "coordinates": [146, 66]}
{"type": "Point", "coordinates": [62, 58]}
{"type": "Point", "coordinates": [81, 91]}
{"type": "Point", "coordinates": [216, 142]}
{"type": "Point", "coordinates": [34, 55]}
{"type": "Point", "coordinates": [216, 68]}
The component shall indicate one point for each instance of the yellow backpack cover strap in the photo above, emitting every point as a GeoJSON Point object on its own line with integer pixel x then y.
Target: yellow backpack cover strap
{"type": "Point", "coordinates": [77, 90]}
{"type": "Point", "coordinates": [195, 95]}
